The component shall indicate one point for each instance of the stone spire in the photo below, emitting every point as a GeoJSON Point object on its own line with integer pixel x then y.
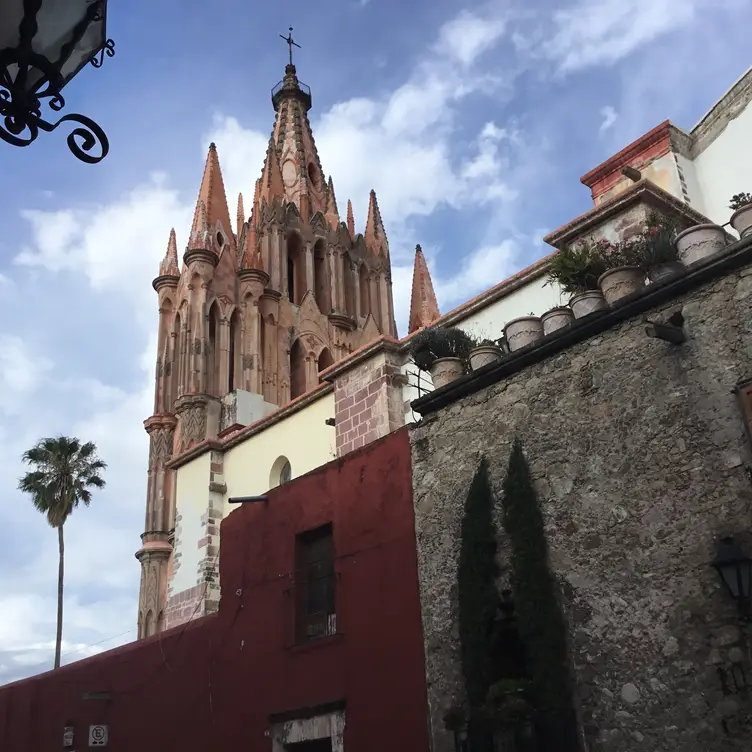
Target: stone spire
{"type": "Point", "coordinates": [332, 213]}
{"type": "Point", "coordinates": [424, 310]}
{"type": "Point", "coordinates": [303, 181]}
{"type": "Point", "coordinates": [169, 266]}
{"type": "Point", "coordinates": [214, 201]}
{"type": "Point", "coordinates": [375, 236]}
{"type": "Point", "coordinates": [350, 219]}
{"type": "Point", "coordinates": [271, 185]}
{"type": "Point", "coordinates": [241, 215]}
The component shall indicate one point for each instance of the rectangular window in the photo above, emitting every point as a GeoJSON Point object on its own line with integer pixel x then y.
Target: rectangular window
{"type": "Point", "coordinates": [315, 615]}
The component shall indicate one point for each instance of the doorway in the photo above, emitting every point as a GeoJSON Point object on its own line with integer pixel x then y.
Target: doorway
{"type": "Point", "coordinates": [315, 745]}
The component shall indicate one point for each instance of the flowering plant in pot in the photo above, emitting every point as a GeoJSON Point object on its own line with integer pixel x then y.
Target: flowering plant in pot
{"type": "Point", "coordinates": [442, 352]}
{"type": "Point", "coordinates": [576, 269]}
{"type": "Point", "coordinates": [623, 274]}
{"type": "Point", "coordinates": [485, 351]}
{"type": "Point", "coordinates": [656, 247]}
{"type": "Point", "coordinates": [741, 219]}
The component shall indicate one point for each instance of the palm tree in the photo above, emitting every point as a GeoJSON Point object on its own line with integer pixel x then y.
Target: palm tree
{"type": "Point", "coordinates": [64, 471]}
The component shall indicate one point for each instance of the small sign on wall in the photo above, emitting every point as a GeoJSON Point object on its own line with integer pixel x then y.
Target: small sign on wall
{"type": "Point", "coordinates": [68, 736]}
{"type": "Point", "coordinates": [98, 736]}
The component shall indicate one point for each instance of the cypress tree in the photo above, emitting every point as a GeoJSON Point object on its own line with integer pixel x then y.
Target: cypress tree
{"type": "Point", "coordinates": [476, 579]}
{"type": "Point", "coordinates": [540, 619]}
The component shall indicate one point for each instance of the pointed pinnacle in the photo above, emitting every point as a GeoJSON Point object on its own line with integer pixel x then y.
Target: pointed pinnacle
{"type": "Point", "coordinates": [169, 265]}
{"type": "Point", "coordinates": [272, 186]}
{"type": "Point", "coordinates": [424, 310]}
{"type": "Point", "coordinates": [241, 214]}
{"type": "Point", "coordinates": [375, 235]}
{"type": "Point", "coordinates": [350, 219]}
{"type": "Point", "coordinates": [212, 196]}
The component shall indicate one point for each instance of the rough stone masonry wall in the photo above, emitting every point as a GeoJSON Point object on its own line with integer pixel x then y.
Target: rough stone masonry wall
{"type": "Point", "coordinates": [368, 401]}
{"type": "Point", "coordinates": [638, 452]}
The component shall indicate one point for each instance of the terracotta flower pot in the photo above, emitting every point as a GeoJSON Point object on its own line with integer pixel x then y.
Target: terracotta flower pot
{"type": "Point", "coordinates": [522, 332]}
{"type": "Point", "coordinates": [556, 318]}
{"type": "Point", "coordinates": [741, 220]}
{"type": "Point", "coordinates": [445, 370]}
{"type": "Point", "coordinates": [585, 303]}
{"type": "Point", "coordinates": [667, 270]}
{"type": "Point", "coordinates": [483, 355]}
{"type": "Point", "coordinates": [700, 242]}
{"type": "Point", "coordinates": [621, 281]}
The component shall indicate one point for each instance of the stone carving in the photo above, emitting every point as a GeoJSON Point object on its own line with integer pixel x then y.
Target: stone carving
{"type": "Point", "coordinates": [192, 425]}
{"type": "Point", "coordinates": [248, 362]}
{"type": "Point", "coordinates": [197, 346]}
{"type": "Point", "coordinates": [160, 446]}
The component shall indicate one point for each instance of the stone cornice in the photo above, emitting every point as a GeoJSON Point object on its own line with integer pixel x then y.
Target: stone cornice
{"type": "Point", "coordinates": [160, 420]}
{"type": "Point", "coordinates": [736, 256]}
{"type": "Point", "coordinates": [643, 191]}
{"type": "Point", "coordinates": [627, 154]}
{"type": "Point", "coordinates": [254, 274]}
{"type": "Point", "coordinates": [165, 280]}
{"type": "Point", "coordinates": [382, 343]}
{"type": "Point", "coordinates": [200, 254]}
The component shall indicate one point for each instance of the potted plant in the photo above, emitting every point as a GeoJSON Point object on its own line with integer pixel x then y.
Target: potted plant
{"type": "Point", "coordinates": [576, 270]}
{"type": "Point", "coordinates": [485, 351]}
{"type": "Point", "coordinates": [700, 242]}
{"type": "Point", "coordinates": [523, 331]}
{"type": "Point", "coordinates": [509, 708]}
{"type": "Point", "coordinates": [441, 352]}
{"type": "Point", "coordinates": [556, 318]}
{"type": "Point", "coordinates": [623, 274]}
{"type": "Point", "coordinates": [659, 257]}
{"type": "Point", "coordinates": [741, 219]}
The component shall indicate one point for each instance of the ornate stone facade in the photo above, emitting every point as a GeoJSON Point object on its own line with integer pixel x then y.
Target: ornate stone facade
{"type": "Point", "coordinates": [263, 309]}
{"type": "Point", "coordinates": [640, 458]}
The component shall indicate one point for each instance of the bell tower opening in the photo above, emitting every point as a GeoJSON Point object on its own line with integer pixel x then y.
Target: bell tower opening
{"type": "Point", "coordinates": [297, 370]}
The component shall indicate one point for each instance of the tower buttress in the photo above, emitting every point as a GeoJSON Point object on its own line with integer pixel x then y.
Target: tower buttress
{"type": "Point", "coordinates": [424, 309]}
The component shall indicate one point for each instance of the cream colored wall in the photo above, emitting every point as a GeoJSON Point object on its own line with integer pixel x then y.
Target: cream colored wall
{"type": "Point", "coordinates": [535, 297]}
{"type": "Point", "coordinates": [725, 167]}
{"type": "Point", "coordinates": [689, 170]}
{"type": "Point", "coordinates": [192, 497]}
{"type": "Point", "coordinates": [303, 437]}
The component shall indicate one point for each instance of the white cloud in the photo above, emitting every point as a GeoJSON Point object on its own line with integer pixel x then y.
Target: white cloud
{"type": "Point", "coordinates": [609, 116]}
{"type": "Point", "coordinates": [21, 373]}
{"type": "Point", "coordinates": [602, 32]}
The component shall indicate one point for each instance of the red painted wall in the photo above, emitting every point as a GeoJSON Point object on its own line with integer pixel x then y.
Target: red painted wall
{"type": "Point", "coordinates": [212, 684]}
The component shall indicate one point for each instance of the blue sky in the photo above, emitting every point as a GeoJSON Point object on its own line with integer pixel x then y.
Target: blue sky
{"type": "Point", "coordinates": [472, 121]}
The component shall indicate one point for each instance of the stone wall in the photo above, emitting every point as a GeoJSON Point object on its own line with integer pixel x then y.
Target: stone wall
{"type": "Point", "coordinates": [638, 451]}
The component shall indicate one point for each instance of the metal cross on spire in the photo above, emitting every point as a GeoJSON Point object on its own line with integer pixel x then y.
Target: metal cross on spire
{"type": "Point", "coordinates": [290, 42]}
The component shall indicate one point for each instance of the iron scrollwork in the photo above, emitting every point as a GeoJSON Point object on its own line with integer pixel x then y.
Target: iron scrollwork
{"type": "Point", "coordinates": [21, 105]}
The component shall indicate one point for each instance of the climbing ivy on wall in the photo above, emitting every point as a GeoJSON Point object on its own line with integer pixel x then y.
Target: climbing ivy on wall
{"type": "Point", "coordinates": [540, 619]}
{"type": "Point", "coordinates": [476, 580]}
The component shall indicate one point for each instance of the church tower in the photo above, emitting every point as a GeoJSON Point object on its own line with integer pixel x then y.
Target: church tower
{"type": "Point", "coordinates": [254, 313]}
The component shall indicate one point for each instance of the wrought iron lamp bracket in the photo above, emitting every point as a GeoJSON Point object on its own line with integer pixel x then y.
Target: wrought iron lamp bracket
{"type": "Point", "coordinates": [21, 108]}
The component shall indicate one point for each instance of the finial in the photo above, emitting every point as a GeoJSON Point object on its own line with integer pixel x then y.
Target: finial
{"type": "Point", "coordinates": [290, 42]}
{"type": "Point", "coordinates": [212, 146]}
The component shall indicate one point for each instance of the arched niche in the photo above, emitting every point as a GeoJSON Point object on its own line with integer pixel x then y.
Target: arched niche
{"type": "Point", "coordinates": [365, 306]}
{"type": "Point", "coordinates": [325, 359]}
{"type": "Point", "coordinates": [321, 277]}
{"type": "Point", "coordinates": [349, 285]}
{"type": "Point", "coordinates": [235, 366]}
{"type": "Point", "coordinates": [297, 370]}
{"type": "Point", "coordinates": [296, 273]}
{"type": "Point", "coordinates": [212, 355]}
{"type": "Point", "coordinates": [281, 472]}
